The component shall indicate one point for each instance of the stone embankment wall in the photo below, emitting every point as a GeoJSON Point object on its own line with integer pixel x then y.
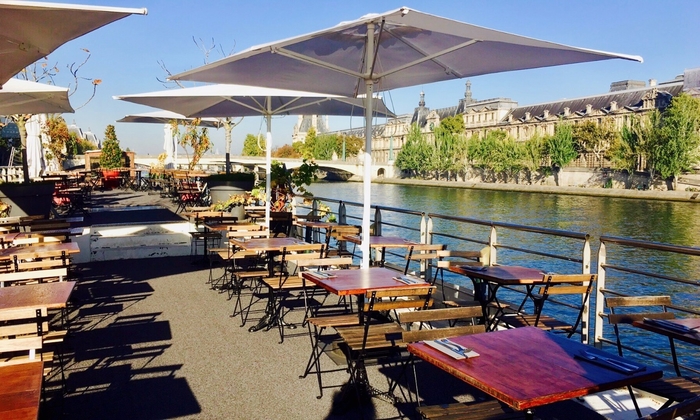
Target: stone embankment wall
{"type": "Point", "coordinates": [579, 182]}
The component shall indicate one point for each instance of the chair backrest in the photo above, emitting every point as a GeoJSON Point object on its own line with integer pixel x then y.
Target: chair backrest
{"type": "Point", "coordinates": [323, 263]}
{"type": "Point", "coordinates": [281, 223]}
{"type": "Point", "coordinates": [38, 275]}
{"type": "Point", "coordinates": [261, 233]}
{"type": "Point", "coordinates": [337, 233]}
{"type": "Point", "coordinates": [416, 298]}
{"type": "Point", "coordinates": [21, 333]}
{"type": "Point", "coordinates": [440, 325]}
{"type": "Point", "coordinates": [448, 258]}
{"type": "Point", "coordinates": [296, 253]}
{"type": "Point", "coordinates": [424, 254]}
{"type": "Point", "coordinates": [689, 406]}
{"type": "Point", "coordinates": [48, 260]}
{"type": "Point", "coordinates": [627, 309]}
{"type": "Point", "coordinates": [566, 284]}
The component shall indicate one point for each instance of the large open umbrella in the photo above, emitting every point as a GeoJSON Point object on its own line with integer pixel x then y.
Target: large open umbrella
{"type": "Point", "coordinates": [31, 30]}
{"type": "Point", "coordinates": [24, 97]}
{"type": "Point", "coordinates": [400, 48]}
{"type": "Point", "coordinates": [243, 101]}
{"type": "Point", "coordinates": [167, 117]}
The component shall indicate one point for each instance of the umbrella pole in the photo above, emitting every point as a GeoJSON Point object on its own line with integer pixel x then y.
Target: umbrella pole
{"type": "Point", "coordinates": [268, 163]}
{"type": "Point", "coordinates": [367, 172]}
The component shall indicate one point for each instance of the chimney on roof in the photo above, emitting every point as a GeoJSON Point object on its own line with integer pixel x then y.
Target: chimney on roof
{"type": "Point", "coordinates": [566, 111]}
{"type": "Point", "coordinates": [652, 82]}
{"type": "Point", "coordinates": [527, 116]}
{"type": "Point", "coordinates": [589, 109]}
{"type": "Point", "coordinates": [613, 106]}
{"type": "Point", "coordinates": [546, 114]}
{"type": "Point", "coordinates": [626, 85]}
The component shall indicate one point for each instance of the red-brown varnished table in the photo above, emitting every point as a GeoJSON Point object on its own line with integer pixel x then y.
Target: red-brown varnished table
{"type": "Point", "coordinates": [51, 295]}
{"type": "Point", "coordinates": [39, 250]}
{"type": "Point", "coordinates": [527, 367]}
{"type": "Point", "coordinates": [20, 390]}
{"type": "Point", "coordinates": [488, 279]}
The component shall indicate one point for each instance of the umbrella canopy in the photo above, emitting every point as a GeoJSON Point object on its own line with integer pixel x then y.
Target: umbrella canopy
{"type": "Point", "coordinates": [24, 97]}
{"type": "Point", "coordinates": [35, 150]}
{"type": "Point", "coordinates": [399, 48]}
{"type": "Point", "coordinates": [226, 100]}
{"type": "Point", "coordinates": [242, 101]}
{"type": "Point", "coordinates": [163, 117]}
{"type": "Point", "coordinates": [31, 30]}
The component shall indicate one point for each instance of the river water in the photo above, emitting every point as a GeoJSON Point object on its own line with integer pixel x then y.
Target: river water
{"type": "Point", "coordinates": [659, 221]}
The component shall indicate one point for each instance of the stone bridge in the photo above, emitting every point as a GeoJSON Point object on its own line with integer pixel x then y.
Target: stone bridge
{"type": "Point", "coordinates": [334, 169]}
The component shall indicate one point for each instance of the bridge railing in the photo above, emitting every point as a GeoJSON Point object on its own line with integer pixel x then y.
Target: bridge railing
{"type": "Point", "coordinates": [620, 274]}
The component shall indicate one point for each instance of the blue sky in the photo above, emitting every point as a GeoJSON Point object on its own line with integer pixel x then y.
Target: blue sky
{"type": "Point", "coordinates": [125, 54]}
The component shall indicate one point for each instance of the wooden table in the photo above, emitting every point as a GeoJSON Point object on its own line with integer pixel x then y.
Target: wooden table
{"type": "Point", "coordinates": [381, 243]}
{"type": "Point", "coordinates": [20, 390]}
{"type": "Point", "coordinates": [39, 250]}
{"type": "Point", "coordinates": [51, 235]}
{"type": "Point", "coordinates": [487, 280]}
{"type": "Point", "coordinates": [265, 244]}
{"type": "Point", "coordinates": [689, 337]}
{"type": "Point", "coordinates": [527, 367]}
{"type": "Point", "coordinates": [51, 295]}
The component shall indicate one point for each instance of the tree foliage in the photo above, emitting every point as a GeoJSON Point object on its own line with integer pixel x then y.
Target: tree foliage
{"type": "Point", "coordinates": [111, 156]}
{"type": "Point", "coordinates": [675, 149]}
{"type": "Point", "coordinates": [194, 138]}
{"type": "Point", "coordinates": [286, 151]}
{"type": "Point", "coordinates": [594, 138]}
{"type": "Point", "coordinates": [415, 154]}
{"type": "Point", "coordinates": [560, 147]}
{"type": "Point", "coordinates": [253, 145]}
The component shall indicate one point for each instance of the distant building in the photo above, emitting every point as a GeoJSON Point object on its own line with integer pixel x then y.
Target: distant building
{"type": "Point", "coordinates": [625, 98]}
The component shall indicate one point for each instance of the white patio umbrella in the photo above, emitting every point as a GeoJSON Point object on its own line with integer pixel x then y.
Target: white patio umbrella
{"type": "Point", "coordinates": [164, 116]}
{"type": "Point", "coordinates": [31, 30]}
{"type": "Point", "coordinates": [35, 150]}
{"type": "Point", "coordinates": [24, 97]}
{"type": "Point", "coordinates": [241, 101]}
{"type": "Point", "coordinates": [170, 146]}
{"type": "Point", "coordinates": [399, 48]}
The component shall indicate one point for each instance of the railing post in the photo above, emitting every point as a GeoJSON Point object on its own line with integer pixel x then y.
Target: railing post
{"type": "Point", "coordinates": [493, 241]}
{"type": "Point", "coordinates": [586, 269]}
{"type": "Point", "coordinates": [426, 229]}
{"type": "Point", "coordinates": [342, 214]}
{"type": "Point", "coordinates": [599, 298]}
{"type": "Point", "coordinates": [377, 222]}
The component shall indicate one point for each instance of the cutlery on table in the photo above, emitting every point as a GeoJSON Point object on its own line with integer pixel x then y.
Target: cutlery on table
{"type": "Point", "coordinates": [608, 362]}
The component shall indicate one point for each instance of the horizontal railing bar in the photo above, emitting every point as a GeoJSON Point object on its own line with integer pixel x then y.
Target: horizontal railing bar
{"type": "Point", "coordinates": [523, 228]}
{"type": "Point", "coordinates": [651, 245]}
{"type": "Point", "coordinates": [648, 274]}
{"type": "Point", "coordinates": [540, 253]}
{"type": "Point", "coordinates": [461, 238]}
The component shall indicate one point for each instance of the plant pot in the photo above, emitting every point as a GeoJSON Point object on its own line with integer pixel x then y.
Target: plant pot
{"type": "Point", "coordinates": [239, 212]}
{"type": "Point", "coordinates": [110, 178]}
{"type": "Point", "coordinates": [32, 199]}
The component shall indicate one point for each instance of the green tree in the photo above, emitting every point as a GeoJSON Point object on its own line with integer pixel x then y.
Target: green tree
{"type": "Point", "coordinates": [415, 154]}
{"type": "Point", "coordinates": [353, 144]}
{"type": "Point", "coordinates": [324, 146]}
{"type": "Point", "coordinates": [194, 138]}
{"type": "Point", "coordinates": [676, 148]}
{"type": "Point", "coordinates": [532, 152]}
{"type": "Point", "coordinates": [253, 145]}
{"type": "Point", "coordinates": [560, 148]}
{"type": "Point", "coordinates": [111, 156]}
{"type": "Point", "coordinates": [590, 137]}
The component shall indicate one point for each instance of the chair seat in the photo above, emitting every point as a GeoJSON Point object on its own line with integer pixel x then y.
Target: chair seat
{"type": "Point", "coordinates": [545, 322]}
{"type": "Point", "coordinates": [679, 388]}
{"type": "Point", "coordinates": [492, 410]}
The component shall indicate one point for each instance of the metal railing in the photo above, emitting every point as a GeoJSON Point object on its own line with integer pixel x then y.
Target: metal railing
{"type": "Point", "coordinates": [553, 250]}
{"type": "Point", "coordinates": [622, 271]}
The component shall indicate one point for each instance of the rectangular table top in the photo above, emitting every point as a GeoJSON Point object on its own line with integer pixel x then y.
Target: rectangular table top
{"type": "Point", "coordinates": [689, 337]}
{"type": "Point", "coordinates": [38, 250]}
{"type": "Point", "coordinates": [265, 244]}
{"type": "Point", "coordinates": [357, 282]}
{"type": "Point", "coordinates": [502, 274]}
{"type": "Point", "coordinates": [20, 390]}
{"type": "Point", "coordinates": [382, 241]}
{"type": "Point", "coordinates": [53, 295]}
{"type": "Point", "coordinates": [224, 227]}
{"type": "Point", "coordinates": [527, 367]}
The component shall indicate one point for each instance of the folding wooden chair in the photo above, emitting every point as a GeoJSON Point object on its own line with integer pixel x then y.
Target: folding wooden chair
{"type": "Point", "coordinates": [340, 246]}
{"type": "Point", "coordinates": [624, 311]}
{"type": "Point", "coordinates": [424, 255]}
{"type": "Point", "coordinates": [379, 342]}
{"type": "Point", "coordinates": [555, 285]}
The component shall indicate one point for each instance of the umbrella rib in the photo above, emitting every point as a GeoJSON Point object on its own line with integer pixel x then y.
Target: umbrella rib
{"type": "Point", "coordinates": [329, 66]}
{"type": "Point", "coordinates": [432, 57]}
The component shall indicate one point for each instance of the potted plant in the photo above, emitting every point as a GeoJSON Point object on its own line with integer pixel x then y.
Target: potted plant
{"type": "Point", "coordinates": [111, 158]}
{"type": "Point", "coordinates": [235, 204]}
